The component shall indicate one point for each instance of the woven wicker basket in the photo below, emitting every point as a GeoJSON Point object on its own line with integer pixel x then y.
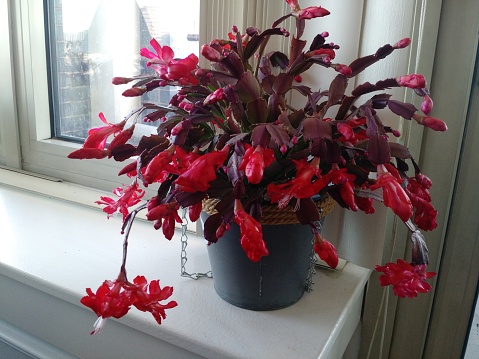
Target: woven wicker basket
{"type": "Point", "coordinates": [272, 215]}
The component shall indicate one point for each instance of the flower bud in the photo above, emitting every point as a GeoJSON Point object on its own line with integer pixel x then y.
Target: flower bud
{"type": "Point", "coordinates": [134, 91]}
{"type": "Point", "coordinates": [426, 105]}
{"type": "Point", "coordinates": [431, 122]}
{"type": "Point", "coordinates": [402, 43]}
{"type": "Point", "coordinates": [210, 53]}
{"type": "Point", "coordinates": [120, 80]}
{"type": "Point", "coordinates": [412, 81]}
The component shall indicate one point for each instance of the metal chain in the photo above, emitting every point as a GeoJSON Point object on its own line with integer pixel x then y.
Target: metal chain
{"type": "Point", "coordinates": [313, 261]}
{"type": "Point", "coordinates": [184, 244]}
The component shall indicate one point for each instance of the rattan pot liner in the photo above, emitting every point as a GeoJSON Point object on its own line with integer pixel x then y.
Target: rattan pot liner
{"type": "Point", "coordinates": [274, 215]}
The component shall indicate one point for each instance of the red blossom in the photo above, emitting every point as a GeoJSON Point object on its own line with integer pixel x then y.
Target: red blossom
{"type": "Point", "coordinates": [201, 172]}
{"type": "Point", "coordinates": [128, 197]}
{"type": "Point", "coordinates": [293, 4]}
{"type": "Point", "coordinates": [115, 298]}
{"type": "Point", "coordinates": [325, 250]}
{"type": "Point", "coordinates": [407, 280]}
{"type": "Point", "coordinates": [160, 166]}
{"type": "Point", "coordinates": [365, 204]}
{"type": "Point", "coordinates": [251, 233]}
{"type": "Point", "coordinates": [255, 160]}
{"type": "Point", "coordinates": [165, 215]}
{"type": "Point", "coordinates": [301, 186]}
{"type": "Point", "coordinates": [418, 191]}
{"type": "Point", "coordinates": [426, 105]}
{"type": "Point", "coordinates": [346, 182]}
{"type": "Point", "coordinates": [394, 195]}
{"type": "Point", "coordinates": [148, 296]}
{"type": "Point", "coordinates": [88, 154]}
{"type": "Point", "coordinates": [97, 137]}
{"type": "Point", "coordinates": [167, 67]}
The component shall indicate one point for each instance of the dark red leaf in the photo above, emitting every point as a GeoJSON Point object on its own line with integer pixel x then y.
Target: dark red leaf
{"type": "Point", "coordinates": [405, 110]}
{"type": "Point", "coordinates": [307, 212]}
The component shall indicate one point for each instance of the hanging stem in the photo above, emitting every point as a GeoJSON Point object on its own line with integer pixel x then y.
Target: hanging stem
{"type": "Point", "coordinates": [125, 230]}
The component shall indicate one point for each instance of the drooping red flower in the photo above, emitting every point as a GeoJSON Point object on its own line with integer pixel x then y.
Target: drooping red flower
{"type": "Point", "coordinates": [407, 280]}
{"type": "Point", "coordinates": [394, 195]}
{"type": "Point", "coordinates": [340, 176]}
{"type": "Point", "coordinates": [164, 216]}
{"type": "Point", "coordinates": [147, 297]}
{"type": "Point", "coordinates": [301, 186]}
{"type": "Point", "coordinates": [128, 197]}
{"type": "Point", "coordinates": [201, 172]}
{"type": "Point", "coordinates": [255, 160]}
{"type": "Point", "coordinates": [418, 191]}
{"type": "Point", "coordinates": [115, 298]}
{"type": "Point", "coordinates": [110, 300]}
{"type": "Point", "coordinates": [251, 233]}
{"type": "Point", "coordinates": [326, 251]}
{"type": "Point", "coordinates": [158, 165]}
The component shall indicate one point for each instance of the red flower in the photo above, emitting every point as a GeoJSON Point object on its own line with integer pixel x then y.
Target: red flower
{"type": "Point", "coordinates": [128, 197]}
{"type": "Point", "coordinates": [346, 182]}
{"type": "Point", "coordinates": [301, 186]}
{"type": "Point", "coordinates": [394, 195]}
{"type": "Point", "coordinates": [159, 165]}
{"type": "Point", "coordinates": [201, 172]}
{"type": "Point", "coordinates": [418, 191]}
{"type": "Point", "coordinates": [325, 250]}
{"type": "Point", "coordinates": [108, 301]}
{"type": "Point", "coordinates": [88, 154]}
{"type": "Point", "coordinates": [167, 67]}
{"type": "Point", "coordinates": [165, 215]}
{"type": "Point", "coordinates": [97, 136]}
{"type": "Point", "coordinates": [255, 160]}
{"type": "Point", "coordinates": [147, 297]}
{"type": "Point", "coordinates": [114, 299]}
{"type": "Point", "coordinates": [251, 233]}
{"type": "Point", "coordinates": [407, 280]}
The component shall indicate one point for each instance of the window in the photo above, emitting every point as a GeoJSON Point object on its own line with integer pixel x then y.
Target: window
{"type": "Point", "coordinates": [92, 41]}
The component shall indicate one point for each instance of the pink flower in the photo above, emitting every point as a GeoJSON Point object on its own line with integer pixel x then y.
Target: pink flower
{"type": "Point", "coordinates": [394, 195]}
{"type": "Point", "coordinates": [326, 251]}
{"type": "Point", "coordinates": [426, 105]}
{"type": "Point", "coordinates": [342, 69]}
{"type": "Point", "coordinates": [128, 197]}
{"type": "Point", "coordinates": [251, 233]}
{"type": "Point", "coordinates": [293, 4]}
{"type": "Point", "coordinates": [407, 280]}
{"type": "Point", "coordinates": [431, 122]}
{"type": "Point", "coordinates": [217, 95]}
{"type": "Point", "coordinates": [202, 171]}
{"type": "Point", "coordinates": [211, 53]}
{"type": "Point", "coordinates": [310, 12]}
{"type": "Point", "coordinates": [413, 81]}
{"type": "Point", "coordinates": [402, 43]}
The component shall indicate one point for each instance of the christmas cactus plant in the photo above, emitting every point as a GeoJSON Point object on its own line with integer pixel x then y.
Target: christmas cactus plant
{"type": "Point", "coordinates": [231, 133]}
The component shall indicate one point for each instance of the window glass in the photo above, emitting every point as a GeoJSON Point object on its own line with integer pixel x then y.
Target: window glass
{"type": "Point", "coordinates": [91, 41]}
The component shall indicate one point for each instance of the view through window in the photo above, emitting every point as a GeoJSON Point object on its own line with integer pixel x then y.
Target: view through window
{"type": "Point", "coordinates": [91, 41]}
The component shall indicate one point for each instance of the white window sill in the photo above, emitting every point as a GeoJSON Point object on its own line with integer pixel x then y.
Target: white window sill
{"type": "Point", "coordinates": [51, 250]}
